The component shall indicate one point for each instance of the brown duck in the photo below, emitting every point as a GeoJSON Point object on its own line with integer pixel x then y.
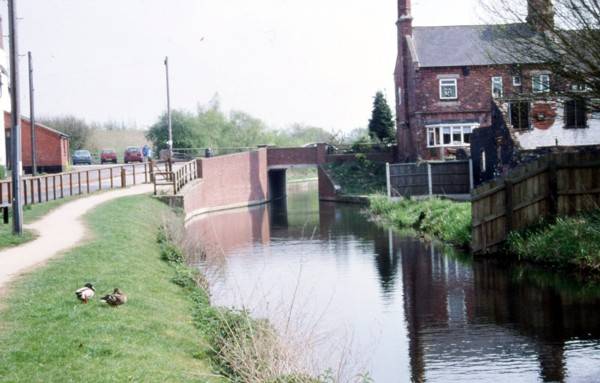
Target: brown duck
{"type": "Point", "coordinates": [117, 298]}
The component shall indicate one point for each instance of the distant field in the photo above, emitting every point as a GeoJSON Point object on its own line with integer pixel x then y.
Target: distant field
{"type": "Point", "coordinates": [118, 140]}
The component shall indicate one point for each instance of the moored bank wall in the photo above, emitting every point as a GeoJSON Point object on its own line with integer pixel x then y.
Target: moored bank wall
{"type": "Point", "coordinates": [227, 182]}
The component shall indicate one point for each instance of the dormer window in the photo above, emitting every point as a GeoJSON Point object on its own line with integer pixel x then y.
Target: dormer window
{"type": "Point", "coordinates": [448, 89]}
{"type": "Point", "coordinates": [541, 83]}
{"type": "Point", "coordinates": [497, 87]}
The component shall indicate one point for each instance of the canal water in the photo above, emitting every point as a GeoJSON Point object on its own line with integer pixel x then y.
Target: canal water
{"type": "Point", "coordinates": [395, 305]}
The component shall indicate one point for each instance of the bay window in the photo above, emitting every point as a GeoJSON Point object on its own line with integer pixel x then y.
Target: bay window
{"type": "Point", "coordinates": [449, 135]}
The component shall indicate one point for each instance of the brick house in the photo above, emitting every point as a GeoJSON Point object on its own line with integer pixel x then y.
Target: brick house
{"type": "Point", "coordinates": [52, 146]}
{"type": "Point", "coordinates": [450, 80]}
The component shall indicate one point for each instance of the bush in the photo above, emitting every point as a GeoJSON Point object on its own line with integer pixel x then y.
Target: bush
{"type": "Point", "coordinates": [572, 242]}
{"type": "Point", "coordinates": [447, 220]}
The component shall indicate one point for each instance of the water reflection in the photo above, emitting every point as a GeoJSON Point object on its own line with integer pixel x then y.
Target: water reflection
{"type": "Point", "coordinates": [435, 316]}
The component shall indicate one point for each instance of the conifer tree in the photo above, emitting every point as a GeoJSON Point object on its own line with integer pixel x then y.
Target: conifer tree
{"type": "Point", "coordinates": [381, 125]}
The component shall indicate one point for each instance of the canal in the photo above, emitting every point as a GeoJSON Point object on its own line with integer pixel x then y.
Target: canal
{"type": "Point", "coordinates": [404, 309]}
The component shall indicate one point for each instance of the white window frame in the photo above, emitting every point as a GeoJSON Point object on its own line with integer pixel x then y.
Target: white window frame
{"type": "Point", "coordinates": [517, 81]}
{"type": "Point", "coordinates": [452, 127]}
{"type": "Point", "coordinates": [543, 78]}
{"type": "Point", "coordinates": [497, 80]}
{"type": "Point", "coordinates": [448, 82]}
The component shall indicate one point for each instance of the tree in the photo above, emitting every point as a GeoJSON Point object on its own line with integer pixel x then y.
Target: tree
{"type": "Point", "coordinates": [185, 131]}
{"type": "Point", "coordinates": [381, 125]}
{"type": "Point", "coordinates": [562, 36]}
{"type": "Point", "coordinates": [76, 128]}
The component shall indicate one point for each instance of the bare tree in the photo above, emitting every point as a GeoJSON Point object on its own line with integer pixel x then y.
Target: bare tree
{"type": "Point", "coordinates": [563, 36]}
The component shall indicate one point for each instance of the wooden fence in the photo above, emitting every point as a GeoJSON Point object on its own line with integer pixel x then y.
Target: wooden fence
{"type": "Point", "coordinates": [430, 178]}
{"type": "Point", "coordinates": [50, 187]}
{"type": "Point", "coordinates": [559, 184]}
{"type": "Point", "coordinates": [176, 179]}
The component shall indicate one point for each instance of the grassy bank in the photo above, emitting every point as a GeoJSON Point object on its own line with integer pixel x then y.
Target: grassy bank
{"type": "Point", "coordinates": [360, 177]}
{"type": "Point", "coordinates": [31, 213]}
{"type": "Point", "coordinates": [569, 242]}
{"type": "Point", "coordinates": [46, 335]}
{"type": "Point", "coordinates": [447, 220]}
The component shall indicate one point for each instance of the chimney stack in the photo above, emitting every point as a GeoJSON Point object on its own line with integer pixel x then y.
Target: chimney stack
{"type": "Point", "coordinates": [540, 15]}
{"type": "Point", "coordinates": [404, 17]}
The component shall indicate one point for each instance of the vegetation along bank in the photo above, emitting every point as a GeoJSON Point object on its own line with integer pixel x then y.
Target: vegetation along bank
{"type": "Point", "coordinates": [447, 220]}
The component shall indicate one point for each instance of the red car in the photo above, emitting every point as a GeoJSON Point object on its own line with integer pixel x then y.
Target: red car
{"type": "Point", "coordinates": [108, 155]}
{"type": "Point", "coordinates": [133, 154]}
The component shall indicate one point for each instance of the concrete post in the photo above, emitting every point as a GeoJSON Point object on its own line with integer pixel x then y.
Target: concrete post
{"type": "Point", "coordinates": [388, 180]}
{"type": "Point", "coordinates": [429, 179]}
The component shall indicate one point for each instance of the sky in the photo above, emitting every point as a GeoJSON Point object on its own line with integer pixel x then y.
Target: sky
{"type": "Point", "coordinates": [314, 62]}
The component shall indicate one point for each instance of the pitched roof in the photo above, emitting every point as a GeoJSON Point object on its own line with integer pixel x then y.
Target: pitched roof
{"type": "Point", "coordinates": [466, 45]}
{"type": "Point", "coordinates": [7, 126]}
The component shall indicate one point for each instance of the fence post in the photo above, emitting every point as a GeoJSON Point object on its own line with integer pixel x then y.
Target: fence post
{"type": "Point", "coordinates": [87, 181]}
{"type": "Point", "coordinates": [123, 177]}
{"type": "Point", "coordinates": [71, 183]}
{"type": "Point", "coordinates": [388, 180]}
{"type": "Point", "coordinates": [429, 179]}
{"type": "Point", "coordinates": [39, 187]}
{"type": "Point", "coordinates": [151, 164]}
{"type": "Point", "coordinates": [471, 175]}
{"type": "Point", "coordinates": [24, 192]}
{"type": "Point", "coordinates": [99, 179]}
{"type": "Point", "coordinates": [508, 205]}
{"type": "Point", "coordinates": [62, 187]}
{"type": "Point", "coordinates": [111, 178]}
{"type": "Point", "coordinates": [553, 188]}
{"type": "Point", "coordinates": [32, 187]}
{"type": "Point", "coordinates": [133, 167]}
{"type": "Point", "coordinates": [79, 181]}
{"type": "Point", "coordinates": [46, 187]}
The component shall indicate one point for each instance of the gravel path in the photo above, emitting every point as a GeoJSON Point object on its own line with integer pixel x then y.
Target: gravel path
{"type": "Point", "coordinates": [57, 231]}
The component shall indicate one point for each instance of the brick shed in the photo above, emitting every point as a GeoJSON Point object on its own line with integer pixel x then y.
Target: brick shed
{"type": "Point", "coordinates": [52, 146]}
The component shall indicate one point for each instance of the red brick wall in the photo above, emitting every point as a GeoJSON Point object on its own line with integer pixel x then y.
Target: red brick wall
{"type": "Point", "coordinates": [236, 179]}
{"type": "Point", "coordinates": [52, 148]}
{"type": "Point", "coordinates": [292, 156]}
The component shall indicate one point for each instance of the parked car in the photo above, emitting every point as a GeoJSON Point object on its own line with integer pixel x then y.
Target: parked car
{"type": "Point", "coordinates": [108, 155]}
{"type": "Point", "coordinates": [82, 157]}
{"type": "Point", "coordinates": [133, 154]}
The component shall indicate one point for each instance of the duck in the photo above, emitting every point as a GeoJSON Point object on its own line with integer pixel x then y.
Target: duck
{"type": "Point", "coordinates": [85, 293]}
{"type": "Point", "coordinates": [117, 298]}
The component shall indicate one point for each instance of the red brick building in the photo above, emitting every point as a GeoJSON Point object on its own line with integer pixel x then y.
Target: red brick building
{"type": "Point", "coordinates": [450, 78]}
{"type": "Point", "coordinates": [52, 146]}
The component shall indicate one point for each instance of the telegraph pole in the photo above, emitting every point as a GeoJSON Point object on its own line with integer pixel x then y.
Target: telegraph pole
{"type": "Point", "coordinates": [15, 136]}
{"type": "Point", "coordinates": [32, 117]}
{"type": "Point", "coordinates": [170, 142]}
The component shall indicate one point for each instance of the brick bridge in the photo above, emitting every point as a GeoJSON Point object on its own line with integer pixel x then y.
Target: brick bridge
{"type": "Point", "coordinates": [250, 178]}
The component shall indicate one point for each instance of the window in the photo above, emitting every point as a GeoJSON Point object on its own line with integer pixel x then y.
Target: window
{"type": "Point", "coordinates": [517, 81]}
{"type": "Point", "coordinates": [575, 113]}
{"type": "Point", "coordinates": [497, 87]}
{"type": "Point", "coordinates": [519, 115]}
{"type": "Point", "coordinates": [449, 135]}
{"type": "Point", "coordinates": [578, 87]}
{"type": "Point", "coordinates": [541, 83]}
{"type": "Point", "coordinates": [448, 89]}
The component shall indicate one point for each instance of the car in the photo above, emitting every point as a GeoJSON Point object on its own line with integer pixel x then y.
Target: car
{"type": "Point", "coordinates": [82, 157]}
{"type": "Point", "coordinates": [108, 155]}
{"type": "Point", "coordinates": [133, 154]}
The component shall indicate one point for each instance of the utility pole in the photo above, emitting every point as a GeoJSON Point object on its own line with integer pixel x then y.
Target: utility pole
{"type": "Point", "coordinates": [170, 142]}
{"type": "Point", "coordinates": [32, 117]}
{"type": "Point", "coordinates": [17, 206]}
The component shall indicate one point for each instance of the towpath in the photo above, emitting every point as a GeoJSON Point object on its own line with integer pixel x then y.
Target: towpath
{"type": "Point", "coordinates": [59, 230]}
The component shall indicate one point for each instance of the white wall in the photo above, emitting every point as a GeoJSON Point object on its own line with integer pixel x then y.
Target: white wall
{"type": "Point", "coordinates": [536, 138]}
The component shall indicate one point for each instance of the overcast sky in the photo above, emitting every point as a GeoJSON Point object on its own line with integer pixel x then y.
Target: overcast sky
{"type": "Point", "coordinates": [317, 62]}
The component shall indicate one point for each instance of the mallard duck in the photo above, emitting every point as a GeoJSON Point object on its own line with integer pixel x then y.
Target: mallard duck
{"type": "Point", "coordinates": [85, 293]}
{"type": "Point", "coordinates": [117, 298]}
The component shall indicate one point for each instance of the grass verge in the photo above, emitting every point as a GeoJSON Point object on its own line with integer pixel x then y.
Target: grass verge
{"type": "Point", "coordinates": [572, 242]}
{"type": "Point", "coordinates": [31, 213]}
{"type": "Point", "coordinates": [241, 348]}
{"type": "Point", "coordinates": [447, 220]}
{"type": "Point", "coordinates": [47, 336]}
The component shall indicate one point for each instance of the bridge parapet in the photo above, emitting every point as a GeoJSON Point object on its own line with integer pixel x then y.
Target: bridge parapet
{"type": "Point", "coordinates": [305, 156]}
